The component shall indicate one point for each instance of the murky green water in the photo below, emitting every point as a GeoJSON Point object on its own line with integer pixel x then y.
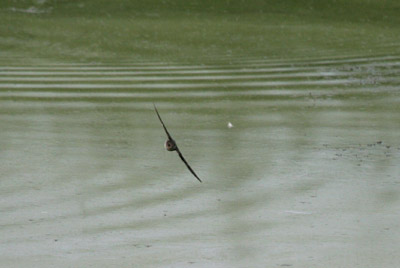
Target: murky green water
{"type": "Point", "coordinates": [308, 176]}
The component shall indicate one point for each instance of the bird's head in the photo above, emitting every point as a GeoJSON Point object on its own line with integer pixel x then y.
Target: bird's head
{"type": "Point", "coordinates": [170, 145]}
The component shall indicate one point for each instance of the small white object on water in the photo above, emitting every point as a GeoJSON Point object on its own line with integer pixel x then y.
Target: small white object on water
{"type": "Point", "coordinates": [230, 125]}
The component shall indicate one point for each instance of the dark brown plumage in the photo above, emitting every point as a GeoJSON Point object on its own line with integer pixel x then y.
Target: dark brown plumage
{"type": "Point", "coordinates": [170, 145]}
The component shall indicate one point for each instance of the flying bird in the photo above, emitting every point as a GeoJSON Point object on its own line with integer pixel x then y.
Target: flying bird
{"type": "Point", "coordinates": [170, 145]}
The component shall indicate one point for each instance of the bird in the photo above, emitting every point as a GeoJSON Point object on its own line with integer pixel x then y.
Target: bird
{"type": "Point", "coordinates": [171, 145]}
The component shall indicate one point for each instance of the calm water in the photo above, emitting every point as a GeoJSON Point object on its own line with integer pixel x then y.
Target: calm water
{"type": "Point", "coordinates": [308, 176]}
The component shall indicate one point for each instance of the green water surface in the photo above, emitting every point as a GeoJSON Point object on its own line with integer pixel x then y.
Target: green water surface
{"type": "Point", "coordinates": [287, 110]}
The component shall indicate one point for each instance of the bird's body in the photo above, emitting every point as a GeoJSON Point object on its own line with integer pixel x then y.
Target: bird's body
{"type": "Point", "coordinates": [170, 145]}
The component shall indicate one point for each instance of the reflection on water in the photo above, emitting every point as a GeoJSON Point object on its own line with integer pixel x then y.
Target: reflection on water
{"type": "Point", "coordinates": [308, 175]}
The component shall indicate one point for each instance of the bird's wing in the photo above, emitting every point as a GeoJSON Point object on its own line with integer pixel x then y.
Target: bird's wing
{"type": "Point", "coordinates": [159, 117]}
{"type": "Point", "coordinates": [186, 163]}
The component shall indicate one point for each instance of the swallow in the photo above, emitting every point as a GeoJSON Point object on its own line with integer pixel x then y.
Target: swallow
{"type": "Point", "coordinates": [171, 145]}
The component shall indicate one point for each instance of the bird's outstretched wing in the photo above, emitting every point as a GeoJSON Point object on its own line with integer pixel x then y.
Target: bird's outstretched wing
{"type": "Point", "coordinates": [177, 149]}
{"type": "Point", "coordinates": [186, 163]}
{"type": "Point", "coordinates": [159, 117]}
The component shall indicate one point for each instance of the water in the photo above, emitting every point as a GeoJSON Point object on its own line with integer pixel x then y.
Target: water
{"type": "Point", "coordinates": [308, 176]}
{"type": "Point", "coordinates": [288, 112]}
